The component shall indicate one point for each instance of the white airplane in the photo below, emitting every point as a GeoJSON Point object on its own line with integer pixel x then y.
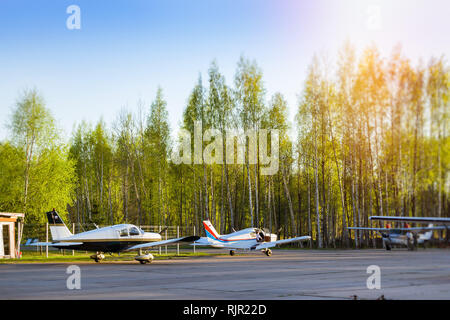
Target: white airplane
{"type": "Point", "coordinates": [407, 236]}
{"type": "Point", "coordinates": [112, 239]}
{"type": "Point", "coordinates": [246, 239]}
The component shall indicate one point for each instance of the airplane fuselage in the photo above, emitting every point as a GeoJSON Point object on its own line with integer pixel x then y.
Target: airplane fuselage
{"type": "Point", "coordinates": [243, 239]}
{"type": "Point", "coordinates": [109, 239]}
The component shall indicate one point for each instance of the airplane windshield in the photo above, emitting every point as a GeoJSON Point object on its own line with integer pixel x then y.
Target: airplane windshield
{"type": "Point", "coordinates": [263, 230]}
{"type": "Point", "coordinates": [134, 231]}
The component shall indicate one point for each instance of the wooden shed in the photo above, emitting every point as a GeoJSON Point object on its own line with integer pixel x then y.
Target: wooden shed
{"type": "Point", "coordinates": [9, 238]}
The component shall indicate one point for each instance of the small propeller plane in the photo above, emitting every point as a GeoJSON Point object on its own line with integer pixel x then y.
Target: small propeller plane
{"type": "Point", "coordinates": [246, 239]}
{"type": "Point", "coordinates": [406, 236]}
{"type": "Point", "coordinates": [112, 239]}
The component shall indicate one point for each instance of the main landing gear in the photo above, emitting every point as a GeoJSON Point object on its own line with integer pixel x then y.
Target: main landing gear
{"type": "Point", "coordinates": [99, 256]}
{"type": "Point", "coordinates": [144, 258]}
{"type": "Point", "coordinates": [231, 252]}
{"type": "Point", "coordinates": [268, 252]}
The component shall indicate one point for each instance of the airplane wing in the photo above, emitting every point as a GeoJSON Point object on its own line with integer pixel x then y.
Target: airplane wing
{"type": "Point", "coordinates": [149, 245]}
{"type": "Point", "coordinates": [266, 245]}
{"type": "Point", "coordinates": [370, 229]}
{"type": "Point", "coordinates": [445, 221]}
{"type": "Point", "coordinates": [53, 244]}
{"type": "Point", "coordinates": [417, 229]}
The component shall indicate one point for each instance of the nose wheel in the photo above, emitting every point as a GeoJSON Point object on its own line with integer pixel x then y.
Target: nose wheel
{"type": "Point", "coordinates": [144, 258]}
{"type": "Point", "coordinates": [268, 252]}
{"type": "Point", "coordinates": [231, 252]}
{"type": "Point", "coordinates": [99, 256]}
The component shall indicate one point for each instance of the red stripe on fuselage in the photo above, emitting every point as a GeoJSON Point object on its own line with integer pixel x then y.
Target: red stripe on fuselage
{"type": "Point", "coordinates": [210, 231]}
{"type": "Point", "coordinates": [217, 238]}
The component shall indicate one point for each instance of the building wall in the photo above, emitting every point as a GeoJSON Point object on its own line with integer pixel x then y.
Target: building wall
{"type": "Point", "coordinates": [7, 226]}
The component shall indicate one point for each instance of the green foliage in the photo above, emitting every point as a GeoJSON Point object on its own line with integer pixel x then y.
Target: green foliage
{"type": "Point", "coordinates": [36, 173]}
{"type": "Point", "coordinates": [371, 139]}
{"type": "Point", "coordinates": [11, 178]}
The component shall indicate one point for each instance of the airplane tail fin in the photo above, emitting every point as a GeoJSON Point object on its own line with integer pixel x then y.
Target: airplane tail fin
{"type": "Point", "coordinates": [57, 227]}
{"type": "Point", "coordinates": [210, 230]}
{"type": "Point", "coordinates": [427, 235]}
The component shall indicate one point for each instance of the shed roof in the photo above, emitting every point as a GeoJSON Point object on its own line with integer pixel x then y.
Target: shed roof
{"type": "Point", "coordinates": [12, 215]}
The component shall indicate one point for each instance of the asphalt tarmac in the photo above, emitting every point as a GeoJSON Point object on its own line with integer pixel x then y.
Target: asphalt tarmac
{"type": "Point", "coordinates": [287, 274]}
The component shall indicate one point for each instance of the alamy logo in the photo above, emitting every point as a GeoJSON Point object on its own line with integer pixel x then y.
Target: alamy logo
{"type": "Point", "coordinates": [74, 280]}
{"type": "Point", "coordinates": [74, 20]}
{"type": "Point", "coordinates": [373, 21]}
{"type": "Point", "coordinates": [374, 281]}
{"type": "Point", "coordinates": [234, 144]}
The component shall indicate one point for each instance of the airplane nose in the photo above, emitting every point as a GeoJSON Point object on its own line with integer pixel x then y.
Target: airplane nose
{"type": "Point", "coordinates": [152, 236]}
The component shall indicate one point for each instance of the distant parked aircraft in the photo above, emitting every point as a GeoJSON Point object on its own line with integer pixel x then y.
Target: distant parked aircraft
{"type": "Point", "coordinates": [116, 238]}
{"type": "Point", "coordinates": [246, 239]}
{"type": "Point", "coordinates": [407, 236]}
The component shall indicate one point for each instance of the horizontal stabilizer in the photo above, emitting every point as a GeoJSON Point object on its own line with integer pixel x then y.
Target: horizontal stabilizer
{"type": "Point", "coordinates": [203, 241]}
{"type": "Point", "coordinates": [30, 240]}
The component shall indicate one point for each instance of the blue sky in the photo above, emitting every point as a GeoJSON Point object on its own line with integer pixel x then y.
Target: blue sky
{"type": "Point", "coordinates": [126, 49]}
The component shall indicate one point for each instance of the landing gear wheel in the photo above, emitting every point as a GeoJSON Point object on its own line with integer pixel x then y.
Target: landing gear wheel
{"type": "Point", "coordinates": [268, 252]}
{"type": "Point", "coordinates": [231, 252]}
{"type": "Point", "coordinates": [143, 259]}
{"type": "Point", "coordinates": [388, 247]}
{"type": "Point", "coordinates": [97, 257]}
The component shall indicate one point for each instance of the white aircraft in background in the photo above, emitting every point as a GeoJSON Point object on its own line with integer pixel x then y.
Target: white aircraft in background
{"type": "Point", "coordinates": [246, 239]}
{"type": "Point", "coordinates": [407, 236]}
{"type": "Point", "coordinates": [112, 239]}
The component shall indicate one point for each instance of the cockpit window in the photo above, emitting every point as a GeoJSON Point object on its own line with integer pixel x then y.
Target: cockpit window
{"type": "Point", "coordinates": [123, 232]}
{"type": "Point", "coordinates": [134, 231]}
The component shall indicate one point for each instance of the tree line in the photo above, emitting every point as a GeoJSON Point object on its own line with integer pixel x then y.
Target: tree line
{"type": "Point", "coordinates": [370, 139]}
